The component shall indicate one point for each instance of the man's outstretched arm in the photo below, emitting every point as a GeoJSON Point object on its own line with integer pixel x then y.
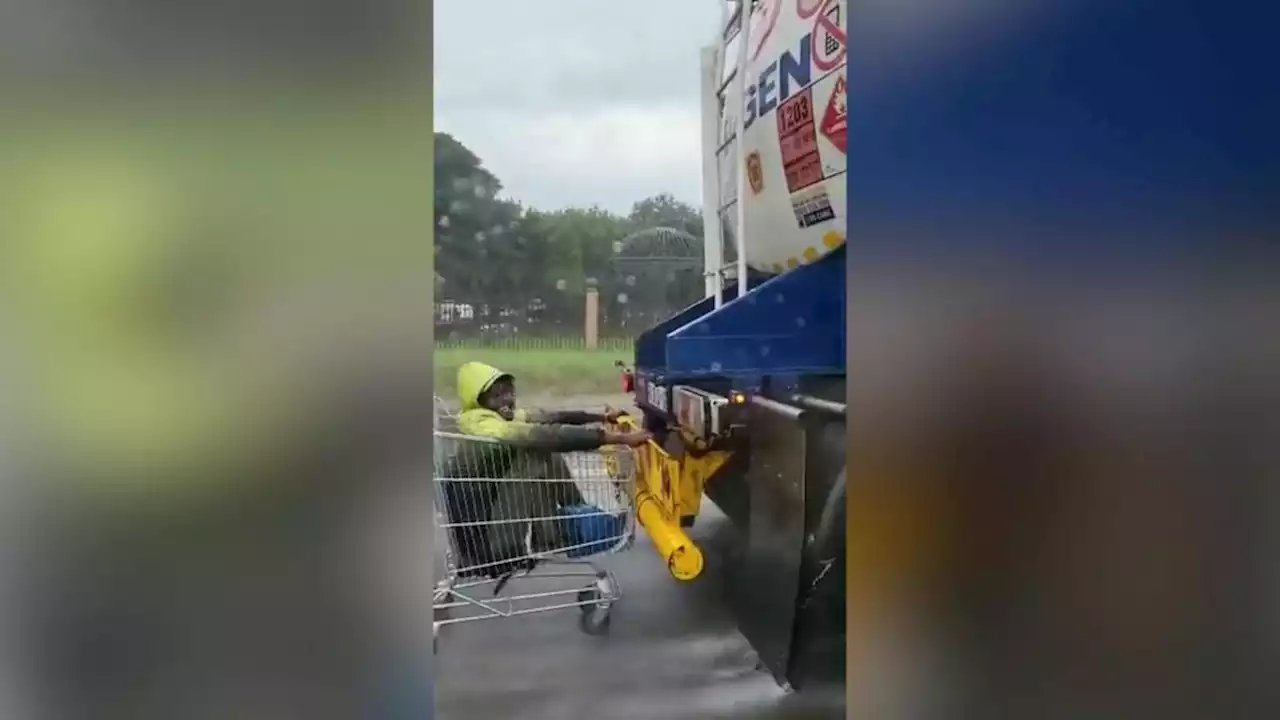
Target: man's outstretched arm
{"type": "Point", "coordinates": [560, 437]}
{"type": "Point", "coordinates": [572, 417]}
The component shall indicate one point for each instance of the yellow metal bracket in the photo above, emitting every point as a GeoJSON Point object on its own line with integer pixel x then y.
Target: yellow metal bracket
{"type": "Point", "coordinates": [668, 488]}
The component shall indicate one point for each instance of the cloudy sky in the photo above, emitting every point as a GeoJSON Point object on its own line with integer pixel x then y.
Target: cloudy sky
{"type": "Point", "coordinates": [576, 102]}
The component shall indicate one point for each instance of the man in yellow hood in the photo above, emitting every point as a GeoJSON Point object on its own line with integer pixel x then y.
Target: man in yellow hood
{"type": "Point", "coordinates": [493, 528]}
{"type": "Point", "coordinates": [487, 400]}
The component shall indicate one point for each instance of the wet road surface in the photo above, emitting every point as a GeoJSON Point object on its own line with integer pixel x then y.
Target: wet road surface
{"type": "Point", "coordinates": [673, 652]}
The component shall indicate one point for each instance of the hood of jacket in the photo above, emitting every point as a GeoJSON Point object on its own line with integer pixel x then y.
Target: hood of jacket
{"type": "Point", "coordinates": [473, 379]}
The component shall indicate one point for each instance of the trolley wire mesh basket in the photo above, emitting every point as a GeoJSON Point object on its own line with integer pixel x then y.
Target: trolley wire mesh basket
{"type": "Point", "coordinates": [523, 527]}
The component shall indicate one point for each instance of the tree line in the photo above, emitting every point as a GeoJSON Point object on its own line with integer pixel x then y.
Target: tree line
{"type": "Point", "coordinates": [503, 268]}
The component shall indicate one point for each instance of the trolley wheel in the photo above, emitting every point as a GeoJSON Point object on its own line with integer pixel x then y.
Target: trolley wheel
{"type": "Point", "coordinates": [595, 621]}
{"type": "Point", "coordinates": [443, 599]}
{"type": "Point", "coordinates": [596, 613]}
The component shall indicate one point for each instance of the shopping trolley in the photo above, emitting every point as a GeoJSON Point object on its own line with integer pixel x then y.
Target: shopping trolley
{"type": "Point", "coordinates": [501, 560]}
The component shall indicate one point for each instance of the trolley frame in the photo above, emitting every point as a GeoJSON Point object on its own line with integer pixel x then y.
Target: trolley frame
{"type": "Point", "coordinates": [471, 591]}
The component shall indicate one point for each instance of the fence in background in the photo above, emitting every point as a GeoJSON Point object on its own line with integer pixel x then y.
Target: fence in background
{"type": "Point", "coordinates": [537, 342]}
{"type": "Point", "coordinates": [586, 324]}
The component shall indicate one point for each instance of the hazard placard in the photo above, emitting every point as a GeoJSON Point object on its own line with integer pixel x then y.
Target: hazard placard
{"type": "Point", "coordinates": [798, 141]}
{"type": "Point", "coordinates": [835, 118]}
{"type": "Point", "coordinates": [827, 41]}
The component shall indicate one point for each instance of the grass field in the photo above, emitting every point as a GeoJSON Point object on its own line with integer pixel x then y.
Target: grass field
{"type": "Point", "coordinates": [538, 370]}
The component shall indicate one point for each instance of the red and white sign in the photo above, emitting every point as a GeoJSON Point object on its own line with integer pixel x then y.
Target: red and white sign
{"type": "Point", "coordinates": [763, 19]}
{"type": "Point", "coordinates": [827, 41]}
{"type": "Point", "coordinates": [806, 8]}
{"type": "Point", "coordinates": [835, 120]}
{"type": "Point", "coordinates": [798, 141]}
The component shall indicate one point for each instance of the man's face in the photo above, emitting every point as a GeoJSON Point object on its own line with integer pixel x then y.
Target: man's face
{"type": "Point", "coordinates": [501, 398]}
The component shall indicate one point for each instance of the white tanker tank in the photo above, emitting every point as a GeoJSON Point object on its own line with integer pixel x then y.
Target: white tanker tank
{"type": "Point", "coordinates": [789, 168]}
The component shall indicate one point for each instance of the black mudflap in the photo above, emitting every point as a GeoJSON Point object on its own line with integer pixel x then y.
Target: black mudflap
{"type": "Point", "coordinates": [786, 581]}
{"type": "Point", "coordinates": [818, 645]}
{"type": "Point", "coordinates": [765, 581]}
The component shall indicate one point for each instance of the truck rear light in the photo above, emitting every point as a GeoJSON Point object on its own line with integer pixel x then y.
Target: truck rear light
{"type": "Point", "coordinates": [628, 382]}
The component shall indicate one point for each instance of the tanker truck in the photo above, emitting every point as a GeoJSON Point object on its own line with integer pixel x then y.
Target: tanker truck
{"type": "Point", "coordinates": [744, 390]}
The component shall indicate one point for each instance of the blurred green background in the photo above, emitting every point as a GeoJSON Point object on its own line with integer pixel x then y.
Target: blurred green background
{"type": "Point", "coordinates": [185, 281]}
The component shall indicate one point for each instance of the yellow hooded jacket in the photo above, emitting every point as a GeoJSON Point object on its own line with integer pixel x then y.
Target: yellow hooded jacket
{"type": "Point", "coordinates": [554, 431]}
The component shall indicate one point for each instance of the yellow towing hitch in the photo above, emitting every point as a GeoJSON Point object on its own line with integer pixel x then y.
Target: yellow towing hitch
{"type": "Point", "coordinates": [668, 491]}
{"type": "Point", "coordinates": [683, 558]}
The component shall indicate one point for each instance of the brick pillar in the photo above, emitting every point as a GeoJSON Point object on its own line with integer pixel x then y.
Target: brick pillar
{"type": "Point", "coordinates": [591, 330]}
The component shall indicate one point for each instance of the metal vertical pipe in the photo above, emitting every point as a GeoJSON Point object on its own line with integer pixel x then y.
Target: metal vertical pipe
{"type": "Point", "coordinates": [713, 238]}
{"type": "Point", "coordinates": [740, 160]}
